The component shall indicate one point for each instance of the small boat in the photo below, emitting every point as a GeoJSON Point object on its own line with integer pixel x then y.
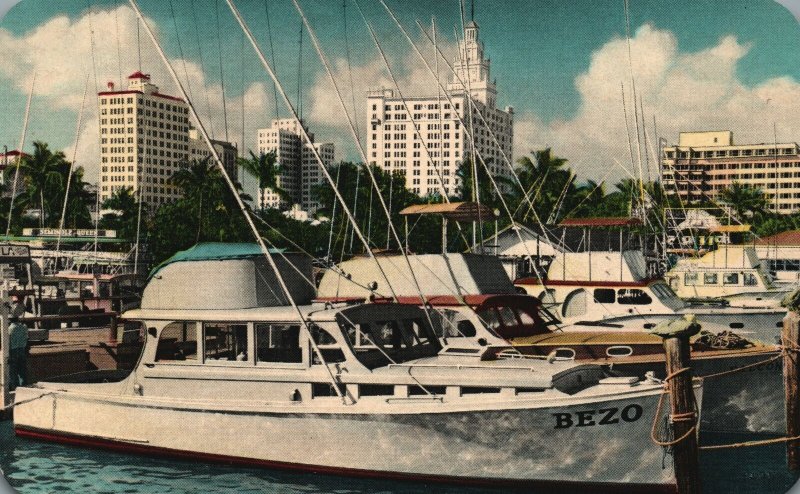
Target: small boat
{"type": "Point", "coordinates": [611, 291]}
{"type": "Point", "coordinates": [230, 374]}
{"type": "Point", "coordinates": [730, 272]}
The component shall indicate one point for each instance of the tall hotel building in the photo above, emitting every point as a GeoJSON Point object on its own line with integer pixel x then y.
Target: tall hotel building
{"type": "Point", "coordinates": [393, 144]}
{"type": "Point", "coordinates": [704, 163]}
{"type": "Point", "coordinates": [144, 136]}
{"type": "Point", "coordinates": [300, 172]}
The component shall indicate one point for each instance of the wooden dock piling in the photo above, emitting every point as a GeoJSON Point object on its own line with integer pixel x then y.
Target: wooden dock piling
{"type": "Point", "coordinates": [791, 372]}
{"type": "Point", "coordinates": [683, 413]}
{"type": "Point", "coordinates": [5, 351]}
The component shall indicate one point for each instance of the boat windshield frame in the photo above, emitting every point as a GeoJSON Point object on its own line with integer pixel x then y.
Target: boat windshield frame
{"type": "Point", "coordinates": [403, 331]}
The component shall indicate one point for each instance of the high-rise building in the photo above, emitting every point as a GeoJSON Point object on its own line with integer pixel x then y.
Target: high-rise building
{"type": "Point", "coordinates": [393, 143]}
{"type": "Point", "coordinates": [198, 150]}
{"type": "Point", "coordinates": [144, 137]}
{"type": "Point", "coordinates": [704, 163]}
{"type": "Point", "coordinates": [300, 171]}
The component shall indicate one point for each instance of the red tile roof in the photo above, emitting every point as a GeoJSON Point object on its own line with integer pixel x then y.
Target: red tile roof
{"type": "Point", "coordinates": [139, 75]}
{"type": "Point", "coordinates": [785, 239]}
{"type": "Point", "coordinates": [600, 222]}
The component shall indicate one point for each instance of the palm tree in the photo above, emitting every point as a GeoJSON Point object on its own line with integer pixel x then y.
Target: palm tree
{"type": "Point", "coordinates": [43, 176]}
{"type": "Point", "coordinates": [746, 201]}
{"type": "Point", "coordinates": [126, 212]}
{"type": "Point", "coordinates": [265, 168]}
{"type": "Point", "coordinates": [198, 180]}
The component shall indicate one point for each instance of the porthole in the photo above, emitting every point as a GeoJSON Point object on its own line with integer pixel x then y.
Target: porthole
{"type": "Point", "coordinates": [736, 325]}
{"type": "Point", "coordinates": [619, 351]}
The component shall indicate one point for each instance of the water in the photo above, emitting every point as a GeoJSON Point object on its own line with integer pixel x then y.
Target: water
{"type": "Point", "coordinates": [39, 467]}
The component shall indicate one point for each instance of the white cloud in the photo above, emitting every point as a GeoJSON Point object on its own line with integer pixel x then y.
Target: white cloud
{"type": "Point", "coordinates": [685, 92]}
{"type": "Point", "coordinates": [61, 55]}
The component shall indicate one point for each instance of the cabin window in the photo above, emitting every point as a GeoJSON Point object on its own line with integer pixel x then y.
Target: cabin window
{"type": "Point", "coordinates": [490, 319]}
{"type": "Point", "coordinates": [507, 316]}
{"type": "Point", "coordinates": [690, 279]}
{"type": "Point", "coordinates": [730, 279]}
{"type": "Point", "coordinates": [633, 296]}
{"type": "Point", "coordinates": [278, 343]}
{"type": "Point", "coordinates": [178, 341]}
{"type": "Point", "coordinates": [327, 345]}
{"type": "Point", "coordinates": [604, 295]}
{"type": "Point", "coordinates": [225, 342]}
{"type": "Point", "coordinates": [710, 278]}
{"type": "Point", "coordinates": [750, 279]}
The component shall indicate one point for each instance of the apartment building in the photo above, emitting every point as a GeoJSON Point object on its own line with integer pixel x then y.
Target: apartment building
{"type": "Point", "coordinates": [228, 153]}
{"type": "Point", "coordinates": [144, 137]}
{"type": "Point", "coordinates": [300, 171]}
{"type": "Point", "coordinates": [430, 155]}
{"type": "Point", "coordinates": [704, 163]}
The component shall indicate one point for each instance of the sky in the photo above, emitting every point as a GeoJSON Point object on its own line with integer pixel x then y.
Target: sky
{"type": "Point", "coordinates": [562, 65]}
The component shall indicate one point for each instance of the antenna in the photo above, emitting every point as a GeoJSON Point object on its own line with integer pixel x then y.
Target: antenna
{"type": "Point", "coordinates": [472, 10]}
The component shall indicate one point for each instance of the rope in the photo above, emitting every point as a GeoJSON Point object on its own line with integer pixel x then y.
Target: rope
{"type": "Point", "coordinates": [679, 417]}
{"type": "Point", "coordinates": [19, 156]}
{"type": "Point", "coordinates": [23, 402]}
{"type": "Point", "coordinates": [739, 369]}
{"type": "Point", "coordinates": [746, 444]}
{"type": "Point", "coordinates": [221, 72]}
{"type": "Point", "coordinates": [272, 55]}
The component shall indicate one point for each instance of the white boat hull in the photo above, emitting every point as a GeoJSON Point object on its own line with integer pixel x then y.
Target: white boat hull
{"type": "Point", "coordinates": [581, 440]}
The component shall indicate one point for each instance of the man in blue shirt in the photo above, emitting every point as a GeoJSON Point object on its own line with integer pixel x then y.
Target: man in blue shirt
{"type": "Point", "coordinates": [18, 343]}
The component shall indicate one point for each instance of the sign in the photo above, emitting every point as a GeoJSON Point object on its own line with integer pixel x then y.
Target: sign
{"type": "Point", "coordinates": [54, 232]}
{"type": "Point", "coordinates": [10, 254]}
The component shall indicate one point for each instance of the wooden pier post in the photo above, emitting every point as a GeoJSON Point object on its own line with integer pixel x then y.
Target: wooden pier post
{"type": "Point", "coordinates": [112, 328]}
{"type": "Point", "coordinates": [791, 372]}
{"type": "Point", "coordinates": [685, 453]}
{"type": "Point", "coordinates": [5, 351]}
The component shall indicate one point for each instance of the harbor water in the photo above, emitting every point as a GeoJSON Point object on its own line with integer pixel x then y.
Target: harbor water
{"type": "Point", "coordinates": [39, 467]}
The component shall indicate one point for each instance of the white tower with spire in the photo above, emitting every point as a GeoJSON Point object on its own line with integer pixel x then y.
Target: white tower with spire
{"type": "Point", "coordinates": [472, 69]}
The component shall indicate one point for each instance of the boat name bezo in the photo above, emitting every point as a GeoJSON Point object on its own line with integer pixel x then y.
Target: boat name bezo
{"type": "Point", "coordinates": [604, 416]}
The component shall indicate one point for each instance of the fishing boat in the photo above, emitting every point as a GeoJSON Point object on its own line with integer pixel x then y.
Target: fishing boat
{"type": "Point", "coordinates": [727, 271]}
{"type": "Point", "coordinates": [229, 373]}
{"type": "Point", "coordinates": [487, 313]}
{"type": "Point", "coordinates": [611, 291]}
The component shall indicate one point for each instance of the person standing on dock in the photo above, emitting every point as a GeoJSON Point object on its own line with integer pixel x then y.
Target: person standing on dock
{"type": "Point", "coordinates": [18, 345]}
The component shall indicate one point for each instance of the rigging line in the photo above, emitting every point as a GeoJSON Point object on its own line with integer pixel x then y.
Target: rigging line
{"type": "Point", "coordinates": [239, 201]}
{"type": "Point", "coordinates": [633, 89]}
{"type": "Point", "coordinates": [72, 164]}
{"type": "Point", "coordinates": [221, 71]}
{"type": "Point", "coordinates": [333, 215]}
{"type": "Point", "coordinates": [627, 127]}
{"type": "Point", "coordinates": [202, 63]}
{"type": "Point", "coordinates": [180, 47]}
{"type": "Point", "coordinates": [305, 136]}
{"type": "Point", "coordinates": [272, 55]}
{"type": "Point", "coordinates": [389, 219]}
{"type": "Point", "coordinates": [474, 168]}
{"type": "Point", "coordinates": [480, 114]}
{"type": "Point", "coordinates": [119, 51]}
{"type": "Point", "coordinates": [91, 44]}
{"type": "Point", "coordinates": [349, 67]}
{"type": "Point", "coordinates": [139, 44]}
{"type": "Point", "coordinates": [19, 156]}
{"type": "Point", "coordinates": [369, 216]}
{"type": "Point", "coordinates": [244, 89]}
{"type": "Point", "coordinates": [367, 167]}
{"type": "Point", "coordinates": [355, 208]}
{"type": "Point", "coordinates": [300, 75]}
{"type": "Point", "coordinates": [644, 137]}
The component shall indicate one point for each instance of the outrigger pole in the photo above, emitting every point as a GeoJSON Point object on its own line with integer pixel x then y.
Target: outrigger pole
{"type": "Point", "coordinates": [239, 201]}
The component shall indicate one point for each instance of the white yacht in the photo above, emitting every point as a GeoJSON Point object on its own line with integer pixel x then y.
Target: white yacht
{"type": "Point", "coordinates": [608, 291]}
{"type": "Point", "coordinates": [730, 272]}
{"type": "Point", "coordinates": [230, 374]}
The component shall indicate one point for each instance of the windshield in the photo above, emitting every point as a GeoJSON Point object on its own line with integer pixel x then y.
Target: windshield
{"type": "Point", "coordinates": [381, 342]}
